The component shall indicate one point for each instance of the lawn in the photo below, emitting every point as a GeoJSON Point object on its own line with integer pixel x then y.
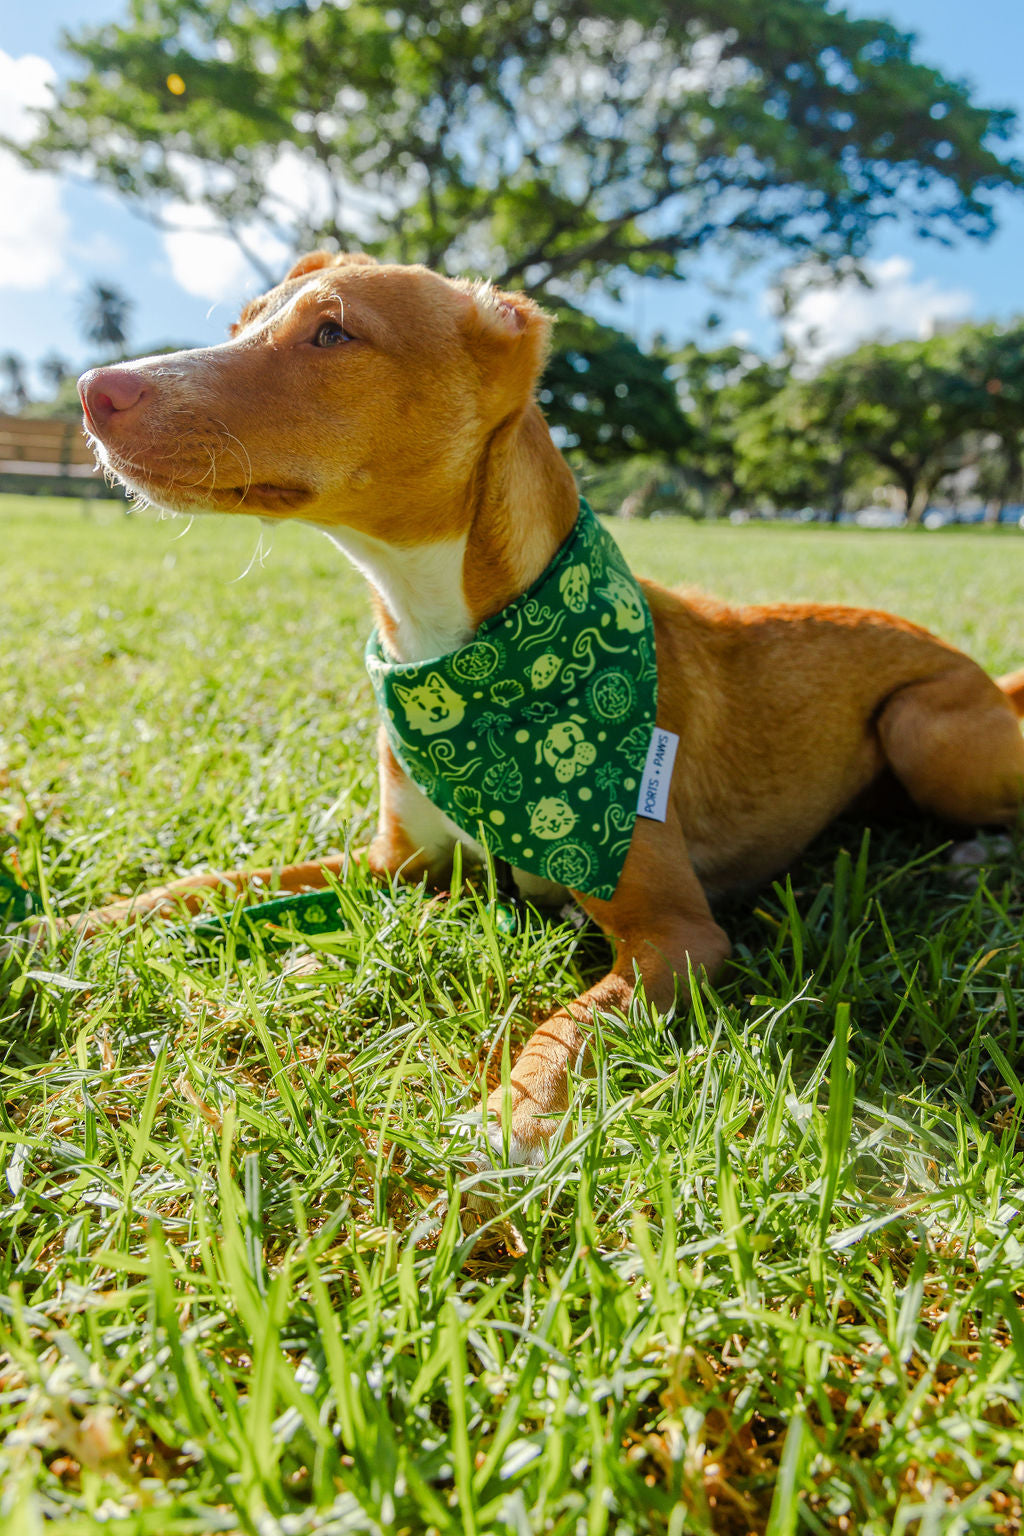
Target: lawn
{"type": "Point", "coordinates": [771, 1281]}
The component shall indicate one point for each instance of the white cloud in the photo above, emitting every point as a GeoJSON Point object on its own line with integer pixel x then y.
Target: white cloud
{"type": "Point", "coordinates": [24, 83]}
{"type": "Point", "coordinates": [34, 229]}
{"type": "Point", "coordinates": [209, 264]}
{"type": "Point", "coordinates": [824, 322]}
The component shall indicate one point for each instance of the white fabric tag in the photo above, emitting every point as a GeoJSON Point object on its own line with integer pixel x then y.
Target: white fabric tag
{"type": "Point", "coordinates": [654, 786]}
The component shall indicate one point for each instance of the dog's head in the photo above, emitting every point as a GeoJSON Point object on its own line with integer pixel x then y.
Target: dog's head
{"type": "Point", "coordinates": [347, 395]}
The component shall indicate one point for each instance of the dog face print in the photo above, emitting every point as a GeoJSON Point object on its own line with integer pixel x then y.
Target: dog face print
{"type": "Point", "coordinates": [626, 603]}
{"type": "Point", "coordinates": [565, 750]}
{"type": "Point", "coordinates": [431, 706]}
{"type": "Point", "coordinates": [574, 587]}
{"type": "Point", "coordinates": [551, 817]}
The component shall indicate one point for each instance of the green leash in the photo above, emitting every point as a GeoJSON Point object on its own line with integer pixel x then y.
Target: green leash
{"type": "Point", "coordinates": [278, 920]}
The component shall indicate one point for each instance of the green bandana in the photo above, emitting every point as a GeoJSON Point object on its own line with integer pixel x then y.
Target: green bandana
{"type": "Point", "coordinates": [533, 737]}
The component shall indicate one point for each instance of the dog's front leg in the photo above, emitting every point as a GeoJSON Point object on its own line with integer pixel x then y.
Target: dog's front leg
{"type": "Point", "coordinates": [659, 921]}
{"type": "Point", "coordinates": [413, 837]}
{"type": "Point", "coordinates": [188, 894]}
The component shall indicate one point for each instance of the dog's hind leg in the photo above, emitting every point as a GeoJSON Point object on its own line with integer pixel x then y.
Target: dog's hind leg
{"type": "Point", "coordinates": [954, 742]}
{"type": "Point", "coordinates": [1013, 687]}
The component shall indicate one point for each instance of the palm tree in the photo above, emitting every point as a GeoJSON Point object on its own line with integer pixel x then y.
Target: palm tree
{"type": "Point", "coordinates": [105, 312]}
{"type": "Point", "coordinates": [55, 369]}
{"type": "Point", "coordinates": [13, 368]}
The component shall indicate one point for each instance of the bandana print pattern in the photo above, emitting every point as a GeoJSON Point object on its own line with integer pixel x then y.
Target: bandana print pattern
{"type": "Point", "coordinates": [533, 737]}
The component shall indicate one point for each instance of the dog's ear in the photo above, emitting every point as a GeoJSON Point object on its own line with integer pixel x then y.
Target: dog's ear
{"type": "Point", "coordinates": [317, 259]}
{"type": "Point", "coordinates": [310, 263]}
{"type": "Point", "coordinates": [509, 327]}
{"type": "Point", "coordinates": [500, 316]}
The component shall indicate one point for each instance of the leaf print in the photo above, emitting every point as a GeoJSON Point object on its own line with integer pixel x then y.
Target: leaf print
{"type": "Point", "coordinates": [503, 782]}
{"type": "Point", "coordinates": [634, 744]}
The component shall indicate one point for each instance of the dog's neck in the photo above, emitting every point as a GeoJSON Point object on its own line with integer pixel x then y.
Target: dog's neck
{"type": "Point", "coordinates": [417, 591]}
{"type": "Point", "coordinates": [519, 508]}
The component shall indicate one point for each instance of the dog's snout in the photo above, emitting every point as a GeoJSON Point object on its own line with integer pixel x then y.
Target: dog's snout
{"type": "Point", "coordinates": [105, 392]}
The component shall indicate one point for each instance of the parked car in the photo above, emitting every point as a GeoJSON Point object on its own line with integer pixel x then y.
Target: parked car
{"type": "Point", "coordinates": [1011, 515]}
{"type": "Point", "coordinates": [879, 517]}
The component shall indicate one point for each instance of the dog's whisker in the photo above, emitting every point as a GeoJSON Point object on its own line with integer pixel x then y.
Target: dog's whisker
{"type": "Point", "coordinates": [259, 557]}
{"type": "Point", "coordinates": [238, 450]}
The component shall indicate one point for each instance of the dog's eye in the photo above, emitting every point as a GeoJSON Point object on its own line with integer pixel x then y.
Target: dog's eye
{"type": "Point", "coordinates": [331, 334]}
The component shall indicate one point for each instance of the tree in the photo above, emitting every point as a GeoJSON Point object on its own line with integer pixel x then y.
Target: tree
{"type": "Point", "coordinates": [555, 149]}
{"type": "Point", "coordinates": [906, 411]}
{"type": "Point", "coordinates": [988, 363]}
{"type": "Point", "coordinates": [719, 387]}
{"type": "Point", "coordinates": [12, 366]}
{"type": "Point", "coordinates": [606, 396]}
{"type": "Point", "coordinates": [105, 313]}
{"type": "Point", "coordinates": [55, 369]}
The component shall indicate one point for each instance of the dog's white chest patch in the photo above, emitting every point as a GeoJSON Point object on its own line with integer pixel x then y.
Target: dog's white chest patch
{"type": "Point", "coordinates": [421, 587]}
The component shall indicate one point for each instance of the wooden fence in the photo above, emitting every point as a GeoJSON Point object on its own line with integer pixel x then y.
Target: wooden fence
{"type": "Point", "coordinates": [48, 457]}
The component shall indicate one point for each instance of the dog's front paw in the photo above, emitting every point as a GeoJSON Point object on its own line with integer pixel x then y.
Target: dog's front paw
{"type": "Point", "coordinates": [490, 1166]}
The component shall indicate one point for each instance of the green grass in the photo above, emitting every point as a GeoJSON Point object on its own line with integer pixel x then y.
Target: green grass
{"type": "Point", "coordinates": [772, 1280]}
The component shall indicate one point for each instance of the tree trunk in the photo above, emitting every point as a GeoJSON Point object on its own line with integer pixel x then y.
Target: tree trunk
{"type": "Point", "coordinates": [917, 503]}
{"type": "Point", "coordinates": [917, 493]}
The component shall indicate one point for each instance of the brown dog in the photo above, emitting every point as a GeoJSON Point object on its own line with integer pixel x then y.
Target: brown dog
{"type": "Point", "coordinates": [394, 410]}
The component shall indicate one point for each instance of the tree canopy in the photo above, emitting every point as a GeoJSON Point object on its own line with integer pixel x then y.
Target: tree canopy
{"type": "Point", "coordinates": [908, 413]}
{"type": "Point", "coordinates": [552, 148]}
{"type": "Point", "coordinates": [608, 398]}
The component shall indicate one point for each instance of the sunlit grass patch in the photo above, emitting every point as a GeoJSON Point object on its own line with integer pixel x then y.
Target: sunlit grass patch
{"type": "Point", "coordinates": [771, 1278]}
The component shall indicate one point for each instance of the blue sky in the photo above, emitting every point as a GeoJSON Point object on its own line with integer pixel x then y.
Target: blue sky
{"type": "Point", "coordinates": [188, 289]}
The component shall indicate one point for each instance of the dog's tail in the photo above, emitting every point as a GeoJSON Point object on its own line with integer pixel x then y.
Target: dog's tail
{"type": "Point", "coordinates": [1013, 686]}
